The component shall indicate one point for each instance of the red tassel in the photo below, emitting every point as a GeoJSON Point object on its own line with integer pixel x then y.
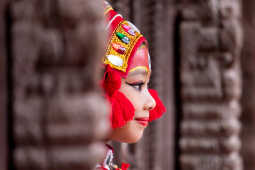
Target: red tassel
{"type": "Point", "coordinates": [159, 109]}
{"type": "Point", "coordinates": [122, 110]}
{"type": "Point", "coordinates": [112, 81]}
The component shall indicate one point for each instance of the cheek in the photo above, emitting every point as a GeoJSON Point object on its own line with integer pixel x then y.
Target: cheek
{"type": "Point", "coordinates": [130, 133]}
{"type": "Point", "coordinates": [132, 95]}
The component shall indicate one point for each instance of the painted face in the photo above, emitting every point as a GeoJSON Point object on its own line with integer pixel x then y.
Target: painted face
{"type": "Point", "coordinates": [135, 88]}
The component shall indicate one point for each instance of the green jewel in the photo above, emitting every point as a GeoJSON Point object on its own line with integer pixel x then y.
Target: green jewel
{"type": "Point", "coordinates": [122, 37]}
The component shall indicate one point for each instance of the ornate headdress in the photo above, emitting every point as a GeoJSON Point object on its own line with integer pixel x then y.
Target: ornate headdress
{"type": "Point", "coordinates": [120, 59]}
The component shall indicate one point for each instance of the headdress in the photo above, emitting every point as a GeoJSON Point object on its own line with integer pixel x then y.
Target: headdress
{"type": "Point", "coordinates": [124, 40]}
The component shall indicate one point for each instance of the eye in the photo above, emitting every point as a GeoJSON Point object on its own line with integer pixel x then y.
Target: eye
{"type": "Point", "coordinates": [138, 86]}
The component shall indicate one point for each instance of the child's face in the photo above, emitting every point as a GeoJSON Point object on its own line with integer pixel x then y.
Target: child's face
{"type": "Point", "coordinates": [135, 88]}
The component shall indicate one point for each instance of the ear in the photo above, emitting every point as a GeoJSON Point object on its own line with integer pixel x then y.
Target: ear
{"type": "Point", "coordinates": [159, 109]}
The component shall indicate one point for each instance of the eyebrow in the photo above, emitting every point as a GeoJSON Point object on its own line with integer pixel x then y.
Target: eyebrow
{"type": "Point", "coordinates": [143, 72]}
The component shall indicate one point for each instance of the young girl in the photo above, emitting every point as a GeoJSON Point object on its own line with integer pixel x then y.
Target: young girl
{"type": "Point", "coordinates": [126, 78]}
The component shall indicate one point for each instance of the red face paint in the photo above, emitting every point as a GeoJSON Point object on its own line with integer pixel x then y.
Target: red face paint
{"type": "Point", "coordinates": [141, 59]}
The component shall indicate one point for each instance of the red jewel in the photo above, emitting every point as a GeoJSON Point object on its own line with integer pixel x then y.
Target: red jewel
{"type": "Point", "coordinates": [128, 29]}
{"type": "Point", "coordinates": [119, 48]}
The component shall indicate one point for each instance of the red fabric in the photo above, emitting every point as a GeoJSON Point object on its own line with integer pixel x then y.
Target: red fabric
{"type": "Point", "coordinates": [110, 14]}
{"type": "Point", "coordinates": [122, 110]}
{"type": "Point", "coordinates": [115, 22]}
{"type": "Point", "coordinates": [114, 25]}
{"type": "Point", "coordinates": [159, 109]}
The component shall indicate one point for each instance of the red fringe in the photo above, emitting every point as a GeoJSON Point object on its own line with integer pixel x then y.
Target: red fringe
{"type": "Point", "coordinates": [122, 110]}
{"type": "Point", "coordinates": [158, 111]}
{"type": "Point", "coordinates": [112, 81]}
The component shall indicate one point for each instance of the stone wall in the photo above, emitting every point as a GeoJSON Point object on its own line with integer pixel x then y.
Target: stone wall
{"type": "Point", "coordinates": [211, 41]}
{"type": "Point", "coordinates": [56, 48]}
{"type": "Point", "coordinates": [248, 99]}
{"type": "Point", "coordinates": [3, 87]}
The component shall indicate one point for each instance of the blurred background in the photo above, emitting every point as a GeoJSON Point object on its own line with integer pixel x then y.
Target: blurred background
{"type": "Point", "coordinates": [203, 63]}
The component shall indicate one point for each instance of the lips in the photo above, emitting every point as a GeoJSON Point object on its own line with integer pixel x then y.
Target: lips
{"type": "Point", "coordinates": [142, 121]}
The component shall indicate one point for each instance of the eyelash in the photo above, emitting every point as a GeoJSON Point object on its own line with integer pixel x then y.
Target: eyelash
{"type": "Point", "coordinates": [137, 86]}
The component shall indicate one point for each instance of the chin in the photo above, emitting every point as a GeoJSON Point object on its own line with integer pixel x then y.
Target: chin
{"type": "Point", "coordinates": [127, 134]}
{"type": "Point", "coordinates": [132, 140]}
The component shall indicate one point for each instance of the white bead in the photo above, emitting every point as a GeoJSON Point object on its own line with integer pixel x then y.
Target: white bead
{"type": "Point", "coordinates": [115, 60]}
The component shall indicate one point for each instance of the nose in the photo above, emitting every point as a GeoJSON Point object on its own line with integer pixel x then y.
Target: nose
{"type": "Point", "coordinates": [149, 101]}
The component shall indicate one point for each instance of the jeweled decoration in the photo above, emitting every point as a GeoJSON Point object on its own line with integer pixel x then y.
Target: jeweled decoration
{"type": "Point", "coordinates": [119, 48]}
{"type": "Point", "coordinates": [123, 38]}
{"type": "Point", "coordinates": [128, 29]}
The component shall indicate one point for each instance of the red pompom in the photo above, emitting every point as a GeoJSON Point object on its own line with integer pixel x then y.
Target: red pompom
{"type": "Point", "coordinates": [122, 110]}
{"type": "Point", "coordinates": [112, 81]}
{"type": "Point", "coordinates": [159, 109]}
